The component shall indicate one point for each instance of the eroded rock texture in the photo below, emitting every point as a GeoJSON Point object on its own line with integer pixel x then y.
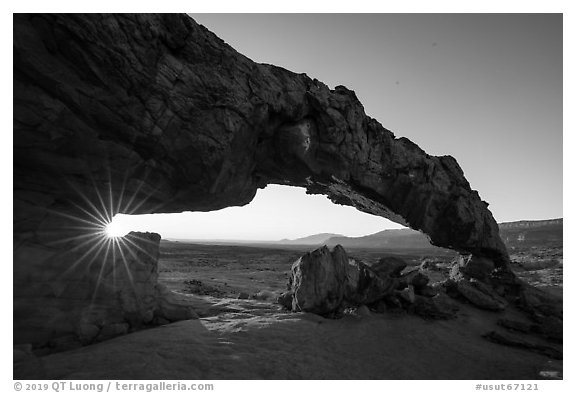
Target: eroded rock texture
{"type": "Point", "coordinates": [72, 292]}
{"type": "Point", "coordinates": [163, 104]}
{"type": "Point", "coordinates": [330, 283]}
{"type": "Point", "coordinates": [154, 113]}
{"type": "Point", "coordinates": [325, 281]}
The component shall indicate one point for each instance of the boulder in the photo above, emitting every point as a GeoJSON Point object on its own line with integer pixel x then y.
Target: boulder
{"type": "Point", "coordinates": [285, 300]}
{"type": "Point", "coordinates": [419, 281]}
{"type": "Point", "coordinates": [471, 266]}
{"type": "Point", "coordinates": [362, 285]}
{"type": "Point", "coordinates": [323, 280]}
{"type": "Point", "coordinates": [541, 304]}
{"type": "Point", "coordinates": [440, 306]}
{"type": "Point", "coordinates": [407, 295]}
{"type": "Point", "coordinates": [392, 302]}
{"type": "Point", "coordinates": [415, 278]}
{"type": "Point", "coordinates": [525, 343]}
{"type": "Point", "coordinates": [515, 325]}
{"type": "Point", "coordinates": [318, 281]}
{"type": "Point", "coordinates": [549, 327]}
{"type": "Point", "coordinates": [552, 328]}
{"type": "Point", "coordinates": [388, 267]}
{"type": "Point", "coordinates": [426, 291]}
{"type": "Point", "coordinates": [173, 306]}
{"type": "Point", "coordinates": [479, 294]}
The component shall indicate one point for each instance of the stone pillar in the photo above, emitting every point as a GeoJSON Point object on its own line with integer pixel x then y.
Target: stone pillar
{"type": "Point", "coordinates": [73, 285]}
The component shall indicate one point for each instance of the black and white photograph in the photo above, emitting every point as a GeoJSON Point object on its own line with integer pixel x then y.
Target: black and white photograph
{"type": "Point", "coordinates": [287, 196]}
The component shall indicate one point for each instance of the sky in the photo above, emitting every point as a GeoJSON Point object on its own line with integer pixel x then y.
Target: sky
{"type": "Point", "coordinates": [484, 88]}
{"type": "Point", "coordinates": [277, 212]}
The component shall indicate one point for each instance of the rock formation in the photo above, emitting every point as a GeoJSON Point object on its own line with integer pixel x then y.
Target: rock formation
{"type": "Point", "coordinates": [325, 281]}
{"type": "Point", "coordinates": [330, 282]}
{"type": "Point", "coordinates": [154, 113]}
{"type": "Point", "coordinates": [87, 291]}
{"type": "Point", "coordinates": [389, 266]}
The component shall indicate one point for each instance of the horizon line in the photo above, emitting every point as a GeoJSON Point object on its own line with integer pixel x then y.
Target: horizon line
{"type": "Point", "coordinates": [260, 241]}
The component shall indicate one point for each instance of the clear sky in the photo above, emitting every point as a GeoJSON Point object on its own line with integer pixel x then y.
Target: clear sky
{"type": "Point", "coordinates": [277, 212]}
{"type": "Point", "coordinates": [484, 88]}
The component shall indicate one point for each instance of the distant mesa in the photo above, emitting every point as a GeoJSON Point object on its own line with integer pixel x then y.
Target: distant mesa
{"type": "Point", "coordinates": [317, 239]}
{"type": "Point", "coordinates": [390, 238]}
{"type": "Point", "coordinates": [543, 233]}
{"type": "Point", "coordinates": [518, 233]}
{"type": "Point", "coordinates": [531, 224]}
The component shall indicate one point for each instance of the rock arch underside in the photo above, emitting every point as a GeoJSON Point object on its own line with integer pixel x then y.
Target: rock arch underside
{"type": "Point", "coordinates": [154, 113]}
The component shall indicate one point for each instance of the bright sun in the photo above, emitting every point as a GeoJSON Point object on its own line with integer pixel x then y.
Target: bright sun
{"type": "Point", "coordinates": [113, 229]}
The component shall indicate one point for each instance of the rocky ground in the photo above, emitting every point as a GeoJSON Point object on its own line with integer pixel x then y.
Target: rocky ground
{"type": "Point", "coordinates": [542, 267]}
{"type": "Point", "coordinates": [248, 339]}
{"type": "Point", "coordinates": [242, 333]}
{"type": "Point", "coordinates": [227, 271]}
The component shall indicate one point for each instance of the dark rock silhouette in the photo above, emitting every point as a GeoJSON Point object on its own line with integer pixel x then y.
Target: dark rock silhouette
{"type": "Point", "coordinates": [327, 282]}
{"type": "Point", "coordinates": [324, 282]}
{"type": "Point", "coordinates": [440, 306]}
{"type": "Point", "coordinates": [75, 297]}
{"type": "Point", "coordinates": [388, 267]}
{"type": "Point", "coordinates": [515, 341]}
{"type": "Point", "coordinates": [163, 107]}
{"type": "Point", "coordinates": [478, 294]}
{"type": "Point", "coordinates": [415, 278]}
{"type": "Point", "coordinates": [551, 330]}
{"type": "Point", "coordinates": [154, 113]}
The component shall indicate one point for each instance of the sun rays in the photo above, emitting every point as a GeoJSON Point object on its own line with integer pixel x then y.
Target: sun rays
{"type": "Point", "coordinates": [94, 246]}
{"type": "Point", "coordinates": [115, 229]}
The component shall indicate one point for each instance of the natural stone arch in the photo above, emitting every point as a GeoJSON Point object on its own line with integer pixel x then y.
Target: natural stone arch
{"type": "Point", "coordinates": [159, 110]}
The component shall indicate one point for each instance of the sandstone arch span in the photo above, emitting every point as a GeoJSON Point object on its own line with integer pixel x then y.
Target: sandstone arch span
{"type": "Point", "coordinates": [158, 109]}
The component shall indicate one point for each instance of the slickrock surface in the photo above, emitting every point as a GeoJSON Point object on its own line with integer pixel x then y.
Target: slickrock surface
{"type": "Point", "coordinates": [252, 341]}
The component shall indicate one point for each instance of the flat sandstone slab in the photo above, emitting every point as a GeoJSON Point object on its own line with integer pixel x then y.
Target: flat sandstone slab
{"type": "Point", "coordinates": [255, 343]}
